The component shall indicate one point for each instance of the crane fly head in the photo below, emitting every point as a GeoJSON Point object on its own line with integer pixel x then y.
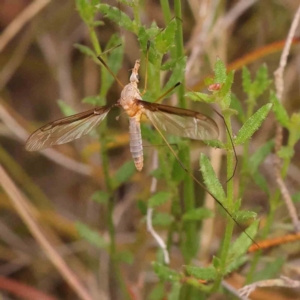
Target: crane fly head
{"type": "Point", "coordinates": [134, 75]}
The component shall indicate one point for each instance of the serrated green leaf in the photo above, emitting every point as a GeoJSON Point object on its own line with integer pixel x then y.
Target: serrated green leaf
{"type": "Point", "coordinates": [220, 71]}
{"type": "Point", "coordinates": [261, 81]}
{"type": "Point", "coordinates": [159, 199]}
{"type": "Point", "coordinates": [66, 109]}
{"type": "Point", "coordinates": [117, 16]}
{"type": "Point", "coordinates": [279, 111]}
{"type": "Point", "coordinates": [166, 38]}
{"type": "Point", "coordinates": [100, 197]}
{"type": "Point", "coordinates": [208, 273]}
{"type": "Point", "coordinates": [247, 83]}
{"type": "Point", "coordinates": [124, 173]}
{"type": "Point", "coordinates": [259, 156]}
{"type": "Point", "coordinates": [169, 65]}
{"type": "Point", "coordinates": [144, 36]}
{"type": "Point", "coordinates": [86, 10]}
{"type": "Point", "coordinates": [225, 92]}
{"type": "Point", "coordinates": [242, 243]}
{"type": "Point", "coordinates": [92, 236]}
{"type": "Point", "coordinates": [242, 215]}
{"type": "Point", "coordinates": [165, 273]}
{"type": "Point", "coordinates": [162, 219]}
{"type": "Point", "coordinates": [211, 181]}
{"type": "Point", "coordinates": [175, 291]}
{"type": "Point", "coordinates": [197, 214]}
{"type": "Point", "coordinates": [252, 124]}
{"type": "Point", "coordinates": [197, 96]}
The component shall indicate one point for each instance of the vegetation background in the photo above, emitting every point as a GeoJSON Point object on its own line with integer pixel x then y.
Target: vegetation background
{"type": "Point", "coordinates": [73, 218]}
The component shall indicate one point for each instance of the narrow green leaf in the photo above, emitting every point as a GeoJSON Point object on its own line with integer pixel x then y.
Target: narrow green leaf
{"type": "Point", "coordinates": [117, 16]}
{"type": "Point", "coordinates": [197, 214]}
{"type": "Point", "coordinates": [211, 181]}
{"type": "Point", "coordinates": [215, 144]}
{"type": "Point", "coordinates": [124, 173]}
{"type": "Point", "coordinates": [261, 81]}
{"type": "Point", "coordinates": [247, 83]}
{"type": "Point", "coordinates": [259, 156]}
{"type": "Point", "coordinates": [100, 197]}
{"type": "Point", "coordinates": [197, 96]}
{"type": "Point", "coordinates": [162, 219]}
{"type": "Point", "coordinates": [225, 92]}
{"type": "Point", "coordinates": [279, 110]}
{"type": "Point", "coordinates": [243, 215]}
{"type": "Point", "coordinates": [165, 273]}
{"type": "Point", "coordinates": [66, 109]}
{"type": "Point", "coordinates": [159, 199]}
{"type": "Point", "coordinates": [88, 52]}
{"type": "Point", "coordinates": [252, 124]}
{"type": "Point", "coordinates": [242, 243]}
{"type": "Point", "coordinates": [220, 71]}
{"type": "Point", "coordinates": [208, 273]}
{"type": "Point", "coordinates": [92, 236]}
{"type": "Point", "coordinates": [170, 64]}
{"type": "Point", "coordinates": [175, 291]}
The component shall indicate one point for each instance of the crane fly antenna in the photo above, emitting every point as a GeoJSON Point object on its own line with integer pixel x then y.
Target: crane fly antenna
{"type": "Point", "coordinates": [110, 71]}
{"type": "Point", "coordinates": [167, 92]}
{"type": "Point", "coordinates": [202, 185]}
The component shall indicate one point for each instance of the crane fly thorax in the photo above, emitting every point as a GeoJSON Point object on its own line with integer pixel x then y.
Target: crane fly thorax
{"type": "Point", "coordinates": [129, 97]}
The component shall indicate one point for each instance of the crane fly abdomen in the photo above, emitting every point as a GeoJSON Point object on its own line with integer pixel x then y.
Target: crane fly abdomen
{"type": "Point", "coordinates": [136, 146]}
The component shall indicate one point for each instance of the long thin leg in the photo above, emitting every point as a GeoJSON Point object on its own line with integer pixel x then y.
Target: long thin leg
{"type": "Point", "coordinates": [167, 92]}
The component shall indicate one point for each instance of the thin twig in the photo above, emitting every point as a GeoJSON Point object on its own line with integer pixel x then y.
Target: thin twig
{"type": "Point", "coordinates": [20, 204]}
{"type": "Point", "coordinates": [150, 228]}
{"type": "Point", "coordinates": [279, 84]}
{"type": "Point", "coordinates": [19, 22]}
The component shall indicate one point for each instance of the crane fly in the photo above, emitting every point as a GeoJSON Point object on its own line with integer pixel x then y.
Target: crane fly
{"type": "Point", "coordinates": [173, 120]}
{"type": "Point", "coordinates": [165, 118]}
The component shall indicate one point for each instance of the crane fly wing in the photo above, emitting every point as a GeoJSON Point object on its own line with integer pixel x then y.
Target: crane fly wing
{"type": "Point", "coordinates": [66, 129]}
{"type": "Point", "coordinates": [181, 122]}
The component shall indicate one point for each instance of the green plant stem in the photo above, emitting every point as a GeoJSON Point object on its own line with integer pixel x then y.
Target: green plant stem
{"type": "Point", "coordinates": [229, 205]}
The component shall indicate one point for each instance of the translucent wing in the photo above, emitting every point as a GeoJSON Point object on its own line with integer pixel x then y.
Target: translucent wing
{"type": "Point", "coordinates": [66, 129]}
{"type": "Point", "coordinates": [182, 122]}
